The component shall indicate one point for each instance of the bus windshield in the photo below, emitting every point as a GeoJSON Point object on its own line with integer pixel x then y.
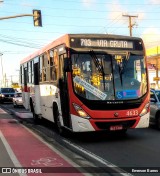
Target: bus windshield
{"type": "Point", "coordinates": [109, 76]}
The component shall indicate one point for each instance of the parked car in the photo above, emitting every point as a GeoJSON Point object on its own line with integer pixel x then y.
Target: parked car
{"type": "Point", "coordinates": [6, 94]}
{"type": "Point", "coordinates": [17, 99]}
{"type": "Point", "coordinates": [155, 107]}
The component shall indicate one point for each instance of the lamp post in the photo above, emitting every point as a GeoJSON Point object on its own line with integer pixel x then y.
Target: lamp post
{"type": "Point", "coordinates": [2, 69]}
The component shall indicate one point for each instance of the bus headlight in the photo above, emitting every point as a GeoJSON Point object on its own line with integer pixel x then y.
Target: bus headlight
{"type": "Point", "coordinates": [80, 111]}
{"type": "Point", "coordinates": [145, 110]}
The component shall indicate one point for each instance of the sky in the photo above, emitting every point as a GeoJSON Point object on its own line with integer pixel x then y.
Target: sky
{"type": "Point", "coordinates": [19, 38]}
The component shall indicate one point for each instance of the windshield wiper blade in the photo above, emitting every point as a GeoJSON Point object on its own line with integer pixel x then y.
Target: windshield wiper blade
{"type": "Point", "coordinates": [125, 62]}
{"type": "Point", "coordinates": [98, 65]}
{"type": "Point", "coordinates": [122, 68]}
{"type": "Point", "coordinates": [120, 73]}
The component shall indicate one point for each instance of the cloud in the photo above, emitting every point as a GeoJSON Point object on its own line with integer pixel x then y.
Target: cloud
{"type": "Point", "coordinates": [151, 37]}
{"type": "Point", "coordinates": [25, 3]}
{"type": "Point", "coordinates": [154, 2]}
{"type": "Point", "coordinates": [115, 10]}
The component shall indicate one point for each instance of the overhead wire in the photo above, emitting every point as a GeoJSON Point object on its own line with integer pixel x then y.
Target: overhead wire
{"type": "Point", "coordinates": [104, 3]}
{"type": "Point", "coordinates": [110, 25]}
{"type": "Point", "coordinates": [74, 9]}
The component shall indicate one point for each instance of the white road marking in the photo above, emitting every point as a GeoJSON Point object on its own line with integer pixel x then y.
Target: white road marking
{"type": "Point", "coordinates": [11, 153]}
{"type": "Point", "coordinates": [101, 160]}
{"type": "Point", "coordinates": [2, 111]}
{"type": "Point", "coordinates": [47, 161]}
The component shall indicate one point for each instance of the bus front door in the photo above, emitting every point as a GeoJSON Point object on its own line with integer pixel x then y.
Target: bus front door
{"type": "Point", "coordinates": [64, 95]}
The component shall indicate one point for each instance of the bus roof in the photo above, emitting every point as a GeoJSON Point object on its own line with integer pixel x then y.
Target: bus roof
{"type": "Point", "coordinates": [65, 40]}
{"type": "Point", "coordinates": [59, 41]}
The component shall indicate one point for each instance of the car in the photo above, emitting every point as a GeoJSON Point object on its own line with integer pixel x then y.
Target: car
{"type": "Point", "coordinates": [6, 94]}
{"type": "Point", "coordinates": [155, 107]}
{"type": "Point", "coordinates": [17, 99]}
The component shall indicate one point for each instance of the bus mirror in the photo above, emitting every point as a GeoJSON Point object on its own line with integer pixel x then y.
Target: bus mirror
{"type": "Point", "coordinates": [67, 65]}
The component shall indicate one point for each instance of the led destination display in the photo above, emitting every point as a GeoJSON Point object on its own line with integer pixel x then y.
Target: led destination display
{"type": "Point", "coordinates": [101, 43]}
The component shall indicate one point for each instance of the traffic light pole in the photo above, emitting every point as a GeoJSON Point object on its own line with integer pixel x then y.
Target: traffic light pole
{"type": "Point", "coordinates": [15, 16]}
{"type": "Point", "coordinates": [37, 19]}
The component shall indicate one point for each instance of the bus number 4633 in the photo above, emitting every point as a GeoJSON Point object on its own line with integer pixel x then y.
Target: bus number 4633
{"type": "Point", "coordinates": [132, 113]}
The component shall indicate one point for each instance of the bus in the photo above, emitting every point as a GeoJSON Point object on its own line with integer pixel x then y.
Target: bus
{"type": "Point", "coordinates": [88, 82]}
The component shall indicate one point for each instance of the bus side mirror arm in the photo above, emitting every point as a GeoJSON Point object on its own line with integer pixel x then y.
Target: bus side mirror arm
{"type": "Point", "coordinates": [67, 65]}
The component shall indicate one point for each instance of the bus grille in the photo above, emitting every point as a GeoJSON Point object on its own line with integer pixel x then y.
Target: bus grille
{"type": "Point", "coordinates": [107, 125]}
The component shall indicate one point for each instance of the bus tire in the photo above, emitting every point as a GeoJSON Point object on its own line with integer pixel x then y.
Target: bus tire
{"type": "Point", "coordinates": [59, 127]}
{"type": "Point", "coordinates": [36, 120]}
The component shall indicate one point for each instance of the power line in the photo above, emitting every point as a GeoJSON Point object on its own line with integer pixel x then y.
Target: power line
{"type": "Point", "coordinates": [106, 3]}
{"type": "Point", "coordinates": [21, 44]}
{"type": "Point", "coordinates": [75, 9]}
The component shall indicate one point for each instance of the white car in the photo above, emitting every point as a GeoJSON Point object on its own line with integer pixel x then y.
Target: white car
{"type": "Point", "coordinates": [17, 99]}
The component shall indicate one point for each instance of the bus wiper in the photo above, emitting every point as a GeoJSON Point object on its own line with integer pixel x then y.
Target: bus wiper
{"type": "Point", "coordinates": [123, 65]}
{"type": "Point", "coordinates": [120, 72]}
{"type": "Point", "coordinates": [125, 62]}
{"type": "Point", "coordinates": [98, 65]}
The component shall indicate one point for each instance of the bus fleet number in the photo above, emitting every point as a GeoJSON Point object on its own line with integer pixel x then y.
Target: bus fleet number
{"type": "Point", "coordinates": [85, 42]}
{"type": "Point", "coordinates": [132, 113]}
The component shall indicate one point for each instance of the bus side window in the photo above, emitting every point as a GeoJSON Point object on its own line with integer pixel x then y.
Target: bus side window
{"type": "Point", "coordinates": [61, 67]}
{"type": "Point", "coordinates": [53, 65]}
{"type": "Point", "coordinates": [21, 74]}
{"type": "Point", "coordinates": [30, 68]}
{"type": "Point", "coordinates": [40, 68]}
{"type": "Point", "coordinates": [44, 68]}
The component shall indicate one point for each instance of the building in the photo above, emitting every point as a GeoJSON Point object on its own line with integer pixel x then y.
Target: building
{"type": "Point", "coordinates": [153, 59]}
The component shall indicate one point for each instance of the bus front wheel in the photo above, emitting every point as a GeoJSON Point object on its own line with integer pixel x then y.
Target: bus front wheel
{"type": "Point", "coordinates": [59, 127]}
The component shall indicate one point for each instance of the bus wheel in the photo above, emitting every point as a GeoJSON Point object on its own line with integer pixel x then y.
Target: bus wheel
{"type": "Point", "coordinates": [60, 129]}
{"type": "Point", "coordinates": [35, 118]}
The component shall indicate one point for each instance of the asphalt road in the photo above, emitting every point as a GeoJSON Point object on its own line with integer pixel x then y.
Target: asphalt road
{"type": "Point", "coordinates": [138, 149]}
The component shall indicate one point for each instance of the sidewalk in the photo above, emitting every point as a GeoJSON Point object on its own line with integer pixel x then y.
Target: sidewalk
{"type": "Point", "coordinates": [26, 153]}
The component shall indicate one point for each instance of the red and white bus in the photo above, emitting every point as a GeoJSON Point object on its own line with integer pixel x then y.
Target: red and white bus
{"type": "Point", "coordinates": [88, 82]}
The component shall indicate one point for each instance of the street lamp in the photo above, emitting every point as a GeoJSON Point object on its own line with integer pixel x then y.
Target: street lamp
{"type": "Point", "coordinates": [2, 83]}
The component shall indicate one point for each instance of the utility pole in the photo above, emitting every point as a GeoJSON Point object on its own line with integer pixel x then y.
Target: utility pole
{"type": "Point", "coordinates": [130, 22]}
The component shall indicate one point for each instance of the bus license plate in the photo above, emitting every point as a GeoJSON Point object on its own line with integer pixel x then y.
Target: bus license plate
{"type": "Point", "coordinates": [117, 127]}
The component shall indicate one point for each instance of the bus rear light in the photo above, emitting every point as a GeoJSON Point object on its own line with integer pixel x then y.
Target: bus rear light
{"type": "Point", "coordinates": [80, 111]}
{"type": "Point", "coordinates": [145, 110]}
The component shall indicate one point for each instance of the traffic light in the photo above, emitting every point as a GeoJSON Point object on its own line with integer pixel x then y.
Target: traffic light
{"type": "Point", "coordinates": [37, 19]}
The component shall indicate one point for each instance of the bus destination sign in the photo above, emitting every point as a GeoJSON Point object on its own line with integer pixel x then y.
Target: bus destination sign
{"type": "Point", "coordinates": [102, 43]}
